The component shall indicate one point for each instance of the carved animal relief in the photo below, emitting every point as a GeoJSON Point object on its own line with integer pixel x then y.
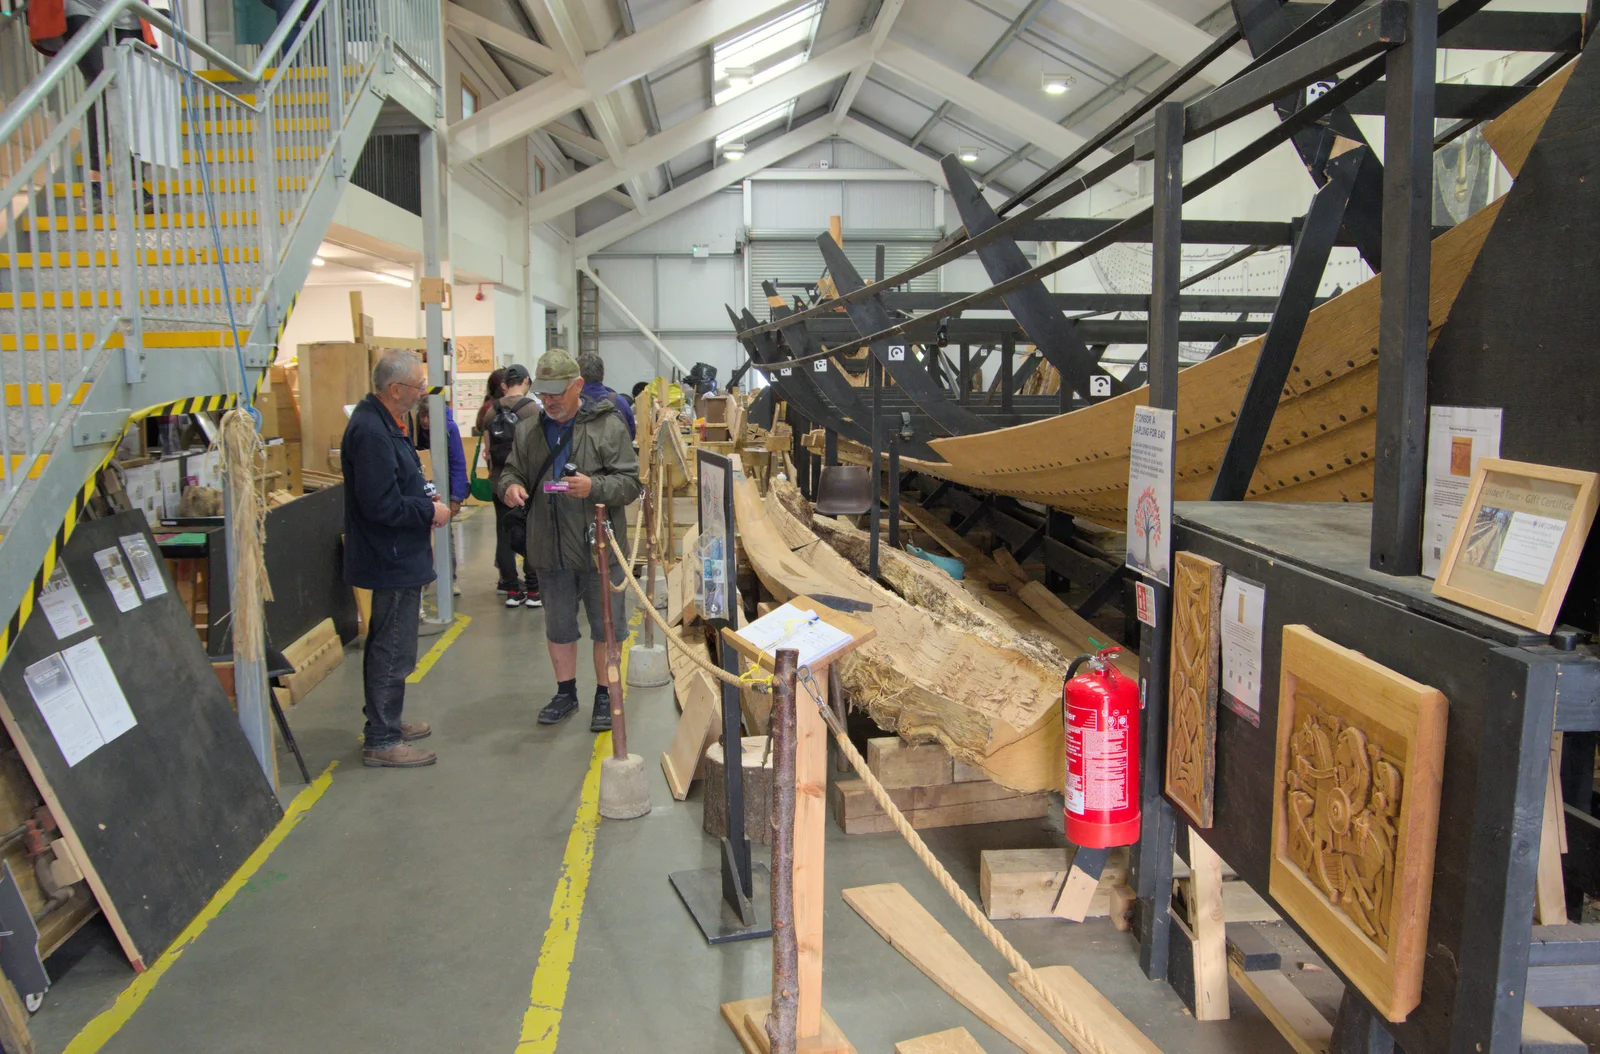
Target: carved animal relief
{"type": "Point", "coordinates": [1192, 706]}
{"type": "Point", "coordinates": [1356, 813]}
{"type": "Point", "coordinates": [1343, 803]}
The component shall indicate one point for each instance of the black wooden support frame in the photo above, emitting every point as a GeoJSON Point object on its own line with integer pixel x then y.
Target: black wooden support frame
{"type": "Point", "coordinates": [1152, 857]}
{"type": "Point", "coordinates": [1260, 403]}
{"type": "Point", "coordinates": [1402, 419]}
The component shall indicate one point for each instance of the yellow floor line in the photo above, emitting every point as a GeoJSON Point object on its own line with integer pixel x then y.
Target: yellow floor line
{"type": "Point", "coordinates": [99, 1031]}
{"type": "Point", "coordinates": [448, 638]}
{"type": "Point", "coordinates": [541, 1025]}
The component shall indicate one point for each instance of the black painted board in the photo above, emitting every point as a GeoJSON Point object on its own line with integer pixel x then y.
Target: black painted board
{"type": "Point", "coordinates": [1485, 687]}
{"type": "Point", "coordinates": [167, 811]}
{"type": "Point", "coordinates": [1331, 538]}
{"type": "Point", "coordinates": [1521, 335]}
{"type": "Point", "coordinates": [305, 562]}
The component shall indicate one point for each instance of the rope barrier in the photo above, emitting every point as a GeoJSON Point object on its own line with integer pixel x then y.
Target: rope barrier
{"type": "Point", "coordinates": [1080, 1036]}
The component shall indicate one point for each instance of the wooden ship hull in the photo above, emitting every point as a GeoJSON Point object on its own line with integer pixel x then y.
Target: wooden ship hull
{"type": "Point", "coordinates": [1319, 448]}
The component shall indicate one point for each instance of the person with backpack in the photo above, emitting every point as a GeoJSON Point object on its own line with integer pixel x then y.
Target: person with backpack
{"type": "Point", "coordinates": [577, 455]}
{"type": "Point", "coordinates": [500, 431]}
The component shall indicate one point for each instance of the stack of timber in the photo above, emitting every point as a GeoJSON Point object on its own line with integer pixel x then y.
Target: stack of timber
{"type": "Point", "coordinates": [930, 787]}
{"type": "Point", "coordinates": [942, 667]}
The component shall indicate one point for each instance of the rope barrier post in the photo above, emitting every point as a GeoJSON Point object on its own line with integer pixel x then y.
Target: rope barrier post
{"type": "Point", "coordinates": [648, 527]}
{"type": "Point", "coordinates": [619, 723]}
{"type": "Point", "coordinates": [624, 786]}
{"type": "Point", "coordinates": [785, 1017]}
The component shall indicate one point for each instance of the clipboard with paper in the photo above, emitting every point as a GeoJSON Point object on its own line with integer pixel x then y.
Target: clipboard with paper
{"type": "Point", "coordinates": [820, 634]}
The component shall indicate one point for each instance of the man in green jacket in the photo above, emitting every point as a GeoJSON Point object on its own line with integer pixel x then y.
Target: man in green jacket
{"type": "Point", "coordinates": [580, 448]}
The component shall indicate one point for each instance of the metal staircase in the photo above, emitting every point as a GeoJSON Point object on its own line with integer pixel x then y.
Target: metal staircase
{"type": "Point", "coordinates": [216, 187]}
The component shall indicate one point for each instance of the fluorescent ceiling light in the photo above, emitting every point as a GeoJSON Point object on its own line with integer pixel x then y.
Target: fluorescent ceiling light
{"type": "Point", "coordinates": [968, 154]}
{"type": "Point", "coordinates": [733, 151]}
{"type": "Point", "coordinates": [1057, 83]}
{"type": "Point", "coordinates": [317, 261]}
{"type": "Point", "coordinates": [740, 76]}
{"type": "Point", "coordinates": [392, 279]}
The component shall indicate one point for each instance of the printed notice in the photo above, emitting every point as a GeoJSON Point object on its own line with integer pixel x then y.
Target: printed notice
{"type": "Point", "coordinates": [62, 605]}
{"type": "Point", "coordinates": [1457, 437]}
{"type": "Point", "coordinates": [1244, 605]}
{"type": "Point", "coordinates": [145, 569]}
{"type": "Point", "coordinates": [115, 571]}
{"type": "Point", "coordinates": [790, 627]}
{"type": "Point", "coordinates": [1529, 547]}
{"type": "Point", "coordinates": [1150, 493]}
{"type": "Point", "coordinates": [98, 686]}
{"type": "Point", "coordinates": [1145, 603]}
{"type": "Point", "coordinates": [62, 706]}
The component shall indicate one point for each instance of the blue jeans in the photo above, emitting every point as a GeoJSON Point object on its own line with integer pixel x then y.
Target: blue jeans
{"type": "Point", "coordinates": [389, 658]}
{"type": "Point", "coordinates": [282, 7]}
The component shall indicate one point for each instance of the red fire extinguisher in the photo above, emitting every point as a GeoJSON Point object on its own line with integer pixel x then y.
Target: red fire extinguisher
{"type": "Point", "coordinates": [1100, 708]}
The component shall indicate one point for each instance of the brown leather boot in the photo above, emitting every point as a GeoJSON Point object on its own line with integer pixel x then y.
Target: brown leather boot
{"type": "Point", "coordinates": [413, 730]}
{"type": "Point", "coordinates": [399, 756]}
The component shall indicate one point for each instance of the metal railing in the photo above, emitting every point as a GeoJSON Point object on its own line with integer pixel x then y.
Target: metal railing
{"type": "Point", "coordinates": [159, 198]}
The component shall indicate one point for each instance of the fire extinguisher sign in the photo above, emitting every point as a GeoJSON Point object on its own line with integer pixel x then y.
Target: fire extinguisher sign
{"type": "Point", "coordinates": [1144, 595]}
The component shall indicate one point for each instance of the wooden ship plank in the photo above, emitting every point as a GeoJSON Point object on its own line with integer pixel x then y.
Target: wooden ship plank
{"type": "Point", "coordinates": [942, 667]}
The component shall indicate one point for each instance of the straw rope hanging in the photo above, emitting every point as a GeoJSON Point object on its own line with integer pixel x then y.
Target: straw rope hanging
{"type": "Point", "coordinates": [244, 464]}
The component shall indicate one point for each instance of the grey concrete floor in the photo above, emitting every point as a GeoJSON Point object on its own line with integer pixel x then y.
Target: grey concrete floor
{"type": "Point", "coordinates": [407, 909]}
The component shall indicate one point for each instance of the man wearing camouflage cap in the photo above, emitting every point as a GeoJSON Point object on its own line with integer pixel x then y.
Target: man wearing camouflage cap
{"type": "Point", "coordinates": [580, 444]}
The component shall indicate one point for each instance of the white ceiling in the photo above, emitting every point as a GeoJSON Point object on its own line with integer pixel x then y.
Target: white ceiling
{"type": "Point", "coordinates": [1108, 67]}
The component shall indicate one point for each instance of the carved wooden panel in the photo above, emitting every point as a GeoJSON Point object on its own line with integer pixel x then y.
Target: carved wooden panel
{"type": "Point", "coordinates": [1196, 673]}
{"type": "Point", "coordinates": [1355, 818]}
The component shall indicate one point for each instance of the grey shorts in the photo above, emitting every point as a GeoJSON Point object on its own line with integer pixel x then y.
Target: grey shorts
{"type": "Point", "coordinates": [560, 591]}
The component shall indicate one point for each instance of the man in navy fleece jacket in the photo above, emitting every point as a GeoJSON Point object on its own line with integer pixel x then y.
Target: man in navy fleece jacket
{"type": "Point", "coordinates": [389, 517]}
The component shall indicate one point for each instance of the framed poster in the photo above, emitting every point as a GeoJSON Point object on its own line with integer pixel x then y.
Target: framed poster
{"type": "Point", "coordinates": [715, 587]}
{"type": "Point", "coordinates": [1517, 540]}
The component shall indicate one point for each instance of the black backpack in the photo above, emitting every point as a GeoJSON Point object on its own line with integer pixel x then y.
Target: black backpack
{"type": "Point", "coordinates": [503, 433]}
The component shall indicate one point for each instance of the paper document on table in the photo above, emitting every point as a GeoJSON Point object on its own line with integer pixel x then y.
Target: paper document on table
{"type": "Point", "coordinates": [101, 691]}
{"type": "Point", "coordinates": [61, 704]}
{"type": "Point", "coordinates": [790, 627]}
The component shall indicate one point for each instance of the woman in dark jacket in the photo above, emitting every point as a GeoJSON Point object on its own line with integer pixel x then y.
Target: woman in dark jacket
{"type": "Point", "coordinates": [493, 391]}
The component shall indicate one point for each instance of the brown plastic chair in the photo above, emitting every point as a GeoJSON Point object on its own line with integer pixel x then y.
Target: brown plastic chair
{"type": "Point", "coordinates": [845, 490]}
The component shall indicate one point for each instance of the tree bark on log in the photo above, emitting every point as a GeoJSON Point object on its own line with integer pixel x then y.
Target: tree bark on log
{"type": "Point", "coordinates": [783, 1022]}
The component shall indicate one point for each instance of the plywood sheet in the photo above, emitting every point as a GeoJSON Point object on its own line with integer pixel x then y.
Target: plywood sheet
{"type": "Point", "coordinates": [954, 1041]}
{"type": "Point", "coordinates": [474, 354]}
{"type": "Point", "coordinates": [1355, 813]}
{"type": "Point", "coordinates": [161, 816]}
{"type": "Point", "coordinates": [1196, 672]}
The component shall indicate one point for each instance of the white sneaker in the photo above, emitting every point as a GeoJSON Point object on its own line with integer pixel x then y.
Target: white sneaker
{"type": "Point", "coordinates": [514, 600]}
{"type": "Point", "coordinates": [532, 600]}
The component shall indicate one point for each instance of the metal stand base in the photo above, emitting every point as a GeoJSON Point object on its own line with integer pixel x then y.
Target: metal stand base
{"type": "Point", "coordinates": [701, 892]}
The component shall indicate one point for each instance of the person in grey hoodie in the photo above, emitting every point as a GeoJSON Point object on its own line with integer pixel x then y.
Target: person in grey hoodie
{"type": "Point", "coordinates": [581, 447]}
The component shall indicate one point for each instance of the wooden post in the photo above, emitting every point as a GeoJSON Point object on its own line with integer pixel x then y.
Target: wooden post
{"type": "Point", "coordinates": [1210, 936]}
{"type": "Point", "coordinates": [810, 835]}
{"type": "Point", "coordinates": [783, 1022]}
{"type": "Point", "coordinates": [619, 727]}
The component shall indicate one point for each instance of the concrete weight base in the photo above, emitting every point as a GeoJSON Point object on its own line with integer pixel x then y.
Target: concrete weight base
{"type": "Point", "coordinates": [647, 667]}
{"type": "Point", "coordinates": [624, 790]}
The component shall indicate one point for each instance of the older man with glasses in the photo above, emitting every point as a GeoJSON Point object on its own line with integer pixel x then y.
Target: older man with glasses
{"type": "Point", "coordinates": [390, 512]}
